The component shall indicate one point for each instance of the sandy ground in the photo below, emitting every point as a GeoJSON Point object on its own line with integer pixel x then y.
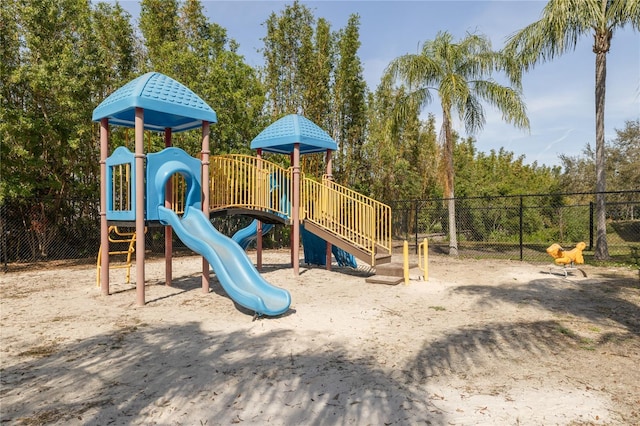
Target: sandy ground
{"type": "Point", "coordinates": [480, 342]}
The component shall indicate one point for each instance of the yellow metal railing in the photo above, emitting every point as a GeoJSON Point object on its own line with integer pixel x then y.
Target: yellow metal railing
{"type": "Point", "coordinates": [121, 186]}
{"type": "Point", "coordinates": [363, 221]}
{"type": "Point", "coordinates": [178, 193]}
{"type": "Point", "coordinates": [242, 181]}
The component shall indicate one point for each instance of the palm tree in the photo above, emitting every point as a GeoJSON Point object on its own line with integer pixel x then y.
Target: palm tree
{"type": "Point", "coordinates": [562, 23]}
{"type": "Point", "coordinates": [460, 74]}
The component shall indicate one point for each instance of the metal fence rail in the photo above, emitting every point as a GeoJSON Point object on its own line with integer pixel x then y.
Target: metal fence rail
{"type": "Point", "coordinates": [510, 227]}
{"type": "Point", "coordinates": [520, 227]}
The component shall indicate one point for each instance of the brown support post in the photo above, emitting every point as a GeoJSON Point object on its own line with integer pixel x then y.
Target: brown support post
{"type": "Point", "coordinates": [291, 213]}
{"type": "Point", "coordinates": [259, 227]}
{"type": "Point", "coordinates": [205, 196]}
{"type": "Point", "coordinates": [329, 175]}
{"type": "Point", "coordinates": [104, 226]}
{"type": "Point", "coordinates": [140, 172]}
{"type": "Point", "coordinates": [295, 217]}
{"type": "Point", "coordinates": [168, 231]}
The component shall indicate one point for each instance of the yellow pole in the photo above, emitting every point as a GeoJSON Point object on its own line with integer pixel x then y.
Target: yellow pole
{"type": "Point", "coordinates": [405, 256]}
{"type": "Point", "coordinates": [426, 259]}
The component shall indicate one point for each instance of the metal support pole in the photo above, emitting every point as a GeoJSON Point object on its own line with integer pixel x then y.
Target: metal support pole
{"type": "Point", "coordinates": [168, 231]}
{"type": "Point", "coordinates": [104, 226]}
{"type": "Point", "coordinates": [140, 219]}
{"type": "Point", "coordinates": [295, 248]}
{"type": "Point", "coordinates": [205, 197]}
{"type": "Point", "coordinates": [416, 224]}
{"type": "Point", "coordinates": [521, 225]}
{"type": "Point", "coordinates": [590, 225]}
{"type": "Point", "coordinates": [259, 227]}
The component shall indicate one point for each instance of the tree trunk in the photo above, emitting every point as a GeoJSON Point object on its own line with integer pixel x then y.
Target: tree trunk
{"type": "Point", "coordinates": [601, 47]}
{"type": "Point", "coordinates": [449, 191]}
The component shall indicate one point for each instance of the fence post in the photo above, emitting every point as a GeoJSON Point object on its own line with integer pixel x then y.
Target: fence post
{"type": "Point", "coordinates": [521, 238]}
{"type": "Point", "coordinates": [416, 225]}
{"type": "Point", "coordinates": [590, 225]}
{"type": "Point", "coordinates": [405, 262]}
{"type": "Point", "coordinates": [3, 240]}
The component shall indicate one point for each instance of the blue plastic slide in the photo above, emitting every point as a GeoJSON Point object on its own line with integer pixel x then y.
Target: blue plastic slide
{"type": "Point", "coordinates": [235, 271]}
{"type": "Point", "coordinates": [249, 234]}
{"type": "Point", "coordinates": [315, 249]}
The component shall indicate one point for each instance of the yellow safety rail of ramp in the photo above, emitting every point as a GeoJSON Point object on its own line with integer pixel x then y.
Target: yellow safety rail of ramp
{"type": "Point", "coordinates": [362, 222]}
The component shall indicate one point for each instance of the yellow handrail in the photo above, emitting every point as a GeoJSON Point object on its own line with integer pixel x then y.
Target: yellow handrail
{"type": "Point", "coordinates": [242, 181]}
{"type": "Point", "coordinates": [363, 221]}
{"type": "Point", "coordinates": [178, 193]}
{"type": "Point", "coordinates": [121, 187]}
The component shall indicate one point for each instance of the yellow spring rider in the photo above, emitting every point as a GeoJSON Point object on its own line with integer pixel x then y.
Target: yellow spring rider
{"type": "Point", "coordinates": [567, 259]}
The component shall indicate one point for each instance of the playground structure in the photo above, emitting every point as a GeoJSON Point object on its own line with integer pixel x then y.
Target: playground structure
{"type": "Point", "coordinates": [181, 193]}
{"type": "Point", "coordinates": [566, 259]}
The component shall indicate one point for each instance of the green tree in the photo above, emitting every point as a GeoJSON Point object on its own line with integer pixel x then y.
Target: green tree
{"type": "Point", "coordinates": [288, 50]}
{"type": "Point", "coordinates": [460, 73]}
{"type": "Point", "coordinates": [622, 159]}
{"type": "Point", "coordinates": [498, 176]}
{"type": "Point", "coordinates": [11, 101]}
{"type": "Point", "coordinates": [118, 51]}
{"type": "Point", "coordinates": [350, 108]}
{"type": "Point", "coordinates": [562, 24]}
{"type": "Point", "coordinates": [318, 78]}
{"type": "Point", "coordinates": [159, 27]}
{"type": "Point", "coordinates": [626, 158]}
{"type": "Point", "coordinates": [51, 82]}
{"type": "Point", "coordinates": [402, 156]}
{"type": "Point", "coordinates": [499, 173]}
{"type": "Point", "coordinates": [311, 71]}
{"type": "Point", "coordinates": [182, 43]}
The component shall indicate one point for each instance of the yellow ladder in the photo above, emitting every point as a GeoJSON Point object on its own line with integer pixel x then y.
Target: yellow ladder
{"type": "Point", "coordinates": [118, 237]}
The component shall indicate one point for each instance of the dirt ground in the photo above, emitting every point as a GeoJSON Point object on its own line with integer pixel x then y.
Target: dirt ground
{"type": "Point", "coordinates": [479, 342]}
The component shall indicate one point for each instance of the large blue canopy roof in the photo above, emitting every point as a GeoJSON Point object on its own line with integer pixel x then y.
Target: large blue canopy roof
{"type": "Point", "coordinates": [281, 136]}
{"type": "Point", "coordinates": [166, 104]}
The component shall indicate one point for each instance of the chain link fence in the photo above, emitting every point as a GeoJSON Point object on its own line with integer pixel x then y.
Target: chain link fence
{"type": "Point", "coordinates": [40, 232]}
{"type": "Point", "coordinates": [520, 227]}
{"type": "Point", "coordinates": [510, 227]}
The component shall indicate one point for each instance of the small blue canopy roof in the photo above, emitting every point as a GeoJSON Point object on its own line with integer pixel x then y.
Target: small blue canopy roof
{"type": "Point", "coordinates": [283, 134]}
{"type": "Point", "coordinates": [166, 104]}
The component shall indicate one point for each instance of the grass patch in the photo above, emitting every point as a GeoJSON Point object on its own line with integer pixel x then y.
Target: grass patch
{"type": "Point", "coordinates": [41, 351]}
{"type": "Point", "coordinates": [438, 308]}
{"type": "Point", "coordinates": [43, 418]}
{"type": "Point", "coordinates": [565, 331]}
{"type": "Point", "coordinates": [583, 342]}
{"type": "Point", "coordinates": [587, 344]}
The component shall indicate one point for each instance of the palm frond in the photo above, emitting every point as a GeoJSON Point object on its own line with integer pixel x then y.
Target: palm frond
{"type": "Point", "coordinates": [506, 99]}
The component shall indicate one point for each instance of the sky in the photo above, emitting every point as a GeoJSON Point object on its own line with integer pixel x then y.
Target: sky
{"type": "Point", "coordinates": [559, 95]}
